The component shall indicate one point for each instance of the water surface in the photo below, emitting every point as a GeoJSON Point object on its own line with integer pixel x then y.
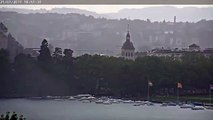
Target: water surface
{"type": "Point", "coordinates": [76, 110]}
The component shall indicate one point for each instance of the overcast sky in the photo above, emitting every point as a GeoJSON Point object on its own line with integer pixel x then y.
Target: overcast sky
{"type": "Point", "coordinates": [95, 8]}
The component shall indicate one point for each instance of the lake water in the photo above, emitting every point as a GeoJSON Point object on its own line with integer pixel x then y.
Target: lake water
{"type": "Point", "coordinates": [76, 110]}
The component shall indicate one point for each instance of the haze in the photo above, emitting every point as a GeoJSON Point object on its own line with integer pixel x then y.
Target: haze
{"type": "Point", "coordinates": [98, 8]}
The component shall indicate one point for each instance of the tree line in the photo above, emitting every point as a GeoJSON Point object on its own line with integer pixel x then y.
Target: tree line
{"type": "Point", "coordinates": [62, 74]}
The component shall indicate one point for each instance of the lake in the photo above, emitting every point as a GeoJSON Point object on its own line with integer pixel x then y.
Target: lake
{"type": "Point", "coordinates": [76, 110]}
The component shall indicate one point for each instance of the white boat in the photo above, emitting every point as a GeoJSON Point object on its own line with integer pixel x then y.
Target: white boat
{"type": "Point", "coordinates": [128, 101]}
{"type": "Point", "coordinates": [164, 104]}
{"type": "Point", "coordinates": [119, 100]}
{"type": "Point", "coordinates": [91, 98]}
{"type": "Point", "coordinates": [99, 101]}
{"type": "Point", "coordinates": [82, 96]}
{"type": "Point", "coordinates": [187, 106]}
{"type": "Point", "coordinates": [208, 107]}
{"type": "Point", "coordinates": [197, 108]}
{"type": "Point", "coordinates": [71, 98]}
{"type": "Point", "coordinates": [139, 104]}
{"type": "Point", "coordinates": [113, 101]}
{"type": "Point", "coordinates": [148, 103]}
{"type": "Point", "coordinates": [171, 104]}
{"type": "Point", "coordinates": [138, 101]}
{"type": "Point", "coordinates": [107, 102]}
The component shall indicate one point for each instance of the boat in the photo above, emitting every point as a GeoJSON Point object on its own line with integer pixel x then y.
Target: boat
{"type": "Point", "coordinates": [137, 104]}
{"type": "Point", "coordinates": [107, 102]}
{"type": "Point", "coordinates": [99, 101]}
{"type": "Point", "coordinates": [128, 101]}
{"type": "Point", "coordinates": [197, 108]}
{"type": "Point", "coordinates": [82, 96]}
{"type": "Point", "coordinates": [138, 101]}
{"type": "Point", "coordinates": [91, 98]}
{"type": "Point", "coordinates": [150, 104]}
{"type": "Point", "coordinates": [198, 104]}
{"type": "Point", "coordinates": [171, 104]}
{"type": "Point", "coordinates": [113, 101]}
{"type": "Point", "coordinates": [187, 106]}
{"type": "Point", "coordinates": [119, 100]}
{"type": "Point", "coordinates": [71, 98]}
{"type": "Point", "coordinates": [164, 104]}
{"type": "Point", "coordinates": [208, 107]}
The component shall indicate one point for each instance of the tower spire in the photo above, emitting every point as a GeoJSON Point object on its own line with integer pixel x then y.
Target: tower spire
{"type": "Point", "coordinates": [128, 28]}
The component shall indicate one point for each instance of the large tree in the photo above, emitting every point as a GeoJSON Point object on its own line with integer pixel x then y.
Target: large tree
{"type": "Point", "coordinates": [44, 55]}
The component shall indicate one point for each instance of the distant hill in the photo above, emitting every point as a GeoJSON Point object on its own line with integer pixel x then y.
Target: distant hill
{"type": "Point", "coordinates": [54, 10]}
{"type": "Point", "coordinates": [191, 14]}
{"type": "Point", "coordinates": [87, 34]}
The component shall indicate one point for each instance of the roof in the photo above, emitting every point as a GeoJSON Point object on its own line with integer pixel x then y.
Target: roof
{"type": "Point", "coordinates": [193, 45]}
{"type": "Point", "coordinates": [128, 45]}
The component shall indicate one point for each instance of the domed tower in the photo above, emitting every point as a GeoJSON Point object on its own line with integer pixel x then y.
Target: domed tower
{"type": "Point", "coordinates": [128, 49]}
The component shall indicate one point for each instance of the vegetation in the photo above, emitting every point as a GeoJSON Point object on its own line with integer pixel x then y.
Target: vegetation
{"type": "Point", "coordinates": [61, 74]}
{"type": "Point", "coordinates": [12, 116]}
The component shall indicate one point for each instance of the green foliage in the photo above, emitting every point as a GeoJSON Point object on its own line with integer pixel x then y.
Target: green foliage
{"type": "Point", "coordinates": [5, 71]}
{"type": "Point", "coordinates": [44, 55]}
{"type": "Point", "coordinates": [103, 75]}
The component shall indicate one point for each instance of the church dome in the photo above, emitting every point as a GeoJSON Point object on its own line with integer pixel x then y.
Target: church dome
{"type": "Point", "coordinates": [128, 45]}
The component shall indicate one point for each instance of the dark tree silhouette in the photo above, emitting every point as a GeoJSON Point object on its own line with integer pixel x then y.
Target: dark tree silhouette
{"type": "Point", "coordinates": [68, 54]}
{"type": "Point", "coordinates": [5, 71]}
{"type": "Point", "coordinates": [44, 55]}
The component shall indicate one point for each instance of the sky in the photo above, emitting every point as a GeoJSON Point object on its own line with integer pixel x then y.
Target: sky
{"type": "Point", "coordinates": [96, 8]}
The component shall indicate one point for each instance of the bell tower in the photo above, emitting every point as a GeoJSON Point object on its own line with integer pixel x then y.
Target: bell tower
{"type": "Point", "coordinates": [128, 49]}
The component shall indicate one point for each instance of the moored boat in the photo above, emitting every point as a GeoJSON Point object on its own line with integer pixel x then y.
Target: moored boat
{"type": "Point", "coordinates": [128, 101]}
{"type": "Point", "coordinates": [197, 108]}
{"type": "Point", "coordinates": [187, 106]}
{"type": "Point", "coordinates": [99, 101]}
{"type": "Point", "coordinates": [107, 102]}
{"type": "Point", "coordinates": [171, 104]}
{"type": "Point", "coordinates": [164, 104]}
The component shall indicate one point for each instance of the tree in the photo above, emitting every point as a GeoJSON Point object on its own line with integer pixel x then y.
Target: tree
{"type": "Point", "coordinates": [68, 54]}
{"type": "Point", "coordinates": [44, 55]}
{"type": "Point", "coordinates": [57, 55]}
{"type": "Point", "coordinates": [5, 71]}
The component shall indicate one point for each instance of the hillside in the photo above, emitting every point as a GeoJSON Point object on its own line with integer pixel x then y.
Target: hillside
{"type": "Point", "coordinates": [100, 35]}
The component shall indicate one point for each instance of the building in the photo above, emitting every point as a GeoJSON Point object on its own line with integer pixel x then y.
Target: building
{"type": "Point", "coordinates": [194, 47]}
{"type": "Point", "coordinates": [208, 52]}
{"type": "Point", "coordinates": [178, 53]}
{"type": "Point", "coordinates": [33, 52]}
{"type": "Point", "coordinates": [128, 49]}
